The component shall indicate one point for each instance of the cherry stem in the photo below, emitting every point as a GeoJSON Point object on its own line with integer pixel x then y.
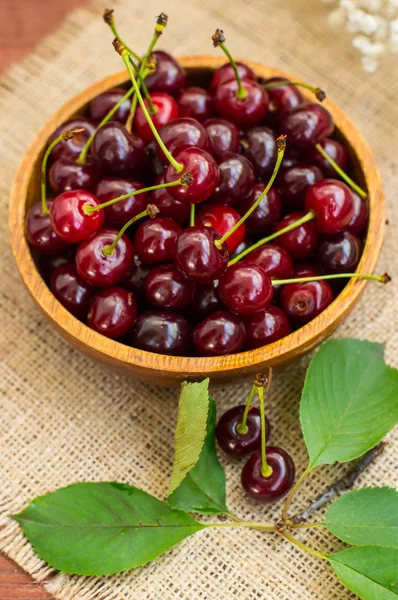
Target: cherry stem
{"type": "Point", "coordinates": [340, 171]}
{"type": "Point", "coordinates": [150, 211]}
{"type": "Point", "coordinates": [141, 74]}
{"type": "Point", "coordinates": [192, 216]}
{"type": "Point", "coordinates": [302, 546]}
{"type": "Point", "coordinates": [308, 217]}
{"type": "Point", "coordinates": [251, 524]}
{"type": "Point", "coordinates": [381, 278]}
{"type": "Point", "coordinates": [320, 94]}
{"type": "Point", "coordinates": [110, 20]}
{"type": "Point", "coordinates": [241, 428]}
{"type": "Point", "coordinates": [292, 493]}
{"type": "Point", "coordinates": [66, 135]}
{"type": "Point", "coordinates": [219, 40]}
{"type": "Point", "coordinates": [266, 469]}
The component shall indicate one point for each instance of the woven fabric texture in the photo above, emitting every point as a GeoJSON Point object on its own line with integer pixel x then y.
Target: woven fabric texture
{"type": "Point", "coordinates": [65, 419]}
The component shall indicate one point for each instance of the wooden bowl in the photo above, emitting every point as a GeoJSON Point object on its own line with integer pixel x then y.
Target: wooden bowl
{"type": "Point", "coordinates": [162, 369]}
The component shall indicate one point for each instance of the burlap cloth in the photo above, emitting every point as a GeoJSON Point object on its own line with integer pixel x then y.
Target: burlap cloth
{"type": "Point", "coordinates": [65, 419]}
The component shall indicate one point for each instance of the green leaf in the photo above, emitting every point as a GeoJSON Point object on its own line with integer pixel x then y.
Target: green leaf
{"type": "Point", "coordinates": [369, 571]}
{"type": "Point", "coordinates": [365, 517]}
{"type": "Point", "coordinates": [190, 430]}
{"type": "Point", "coordinates": [203, 488]}
{"type": "Point", "coordinates": [349, 401]}
{"type": "Point", "coordinates": [102, 528]}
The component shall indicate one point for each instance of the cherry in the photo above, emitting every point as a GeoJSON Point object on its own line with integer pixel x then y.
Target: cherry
{"type": "Point", "coordinates": [71, 291]}
{"type": "Point", "coordinates": [166, 110]}
{"type": "Point", "coordinates": [274, 260]}
{"type": "Point", "coordinates": [228, 436]}
{"type": "Point", "coordinates": [195, 102]}
{"type": "Point", "coordinates": [224, 136]}
{"type": "Point", "coordinates": [222, 219]}
{"type": "Point", "coordinates": [116, 215]}
{"type": "Point", "coordinates": [305, 269]}
{"type": "Point", "coordinates": [339, 253]}
{"type": "Point", "coordinates": [165, 287]}
{"type": "Point", "coordinates": [99, 269]}
{"type": "Point", "coordinates": [183, 133]}
{"type": "Point", "coordinates": [236, 179]}
{"type": "Point", "coordinates": [245, 288]}
{"type": "Point", "coordinates": [103, 103]}
{"type": "Point", "coordinates": [47, 263]}
{"type": "Point", "coordinates": [267, 213]}
{"type": "Point", "coordinates": [302, 302]}
{"type": "Point", "coordinates": [66, 175]}
{"type": "Point", "coordinates": [300, 242]}
{"type": "Point", "coordinates": [154, 167]}
{"type": "Point", "coordinates": [306, 125]}
{"type": "Point", "coordinates": [71, 149]}
{"type": "Point", "coordinates": [281, 99]}
{"type": "Point", "coordinates": [135, 280]}
{"type": "Point", "coordinates": [245, 111]}
{"type": "Point", "coordinates": [266, 326]}
{"type": "Point", "coordinates": [113, 312]}
{"type": "Point", "coordinates": [168, 76]}
{"type": "Point", "coordinates": [162, 332]}
{"type": "Point", "coordinates": [169, 206]}
{"type": "Point", "coordinates": [196, 256]}
{"type": "Point", "coordinates": [360, 217]}
{"type": "Point", "coordinates": [333, 204]}
{"type": "Point", "coordinates": [154, 240]}
{"type": "Point", "coordinates": [205, 301]}
{"type": "Point", "coordinates": [274, 486]}
{"type": "Point", "coordinates": [69, 219]}
{"type": "Point", "coordinates": [117, 150]}
{"type": "Point", "coordinates": [294, 181]}
{"type": "Point", "coordinates": [335, 150]}
{"type": "Point", "coordinates": [218, 334]}
{"type": "Point", "coordinates": [292, 157]}
{"type": "Point", "coordinates": [226, 73]}
{"type": "Point", "coordinates": [39, 230]}
{"type": "Point", "coordinates": [259, 146]}
{"type": "Point", "coordinates": [247, 243]}
{"type": "Point", "coordinates": [204, 170]}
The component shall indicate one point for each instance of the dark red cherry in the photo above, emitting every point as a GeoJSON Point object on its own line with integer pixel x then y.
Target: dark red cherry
{"type": "Point", "coordinates": [154, 240]}
{"type": "Point", "coordinates": [154, 167]}
{"type": "Point", "coordinates": [166, 288]}
{"type": "Point", "coordinates": [274, 260]}
{"type": "Point", "coordinates": [335, 150]}
{"type": "Point", "coordinates": [205, 301]}
{"type": "Point", "coordinates": [246, 111]}
{"type": "Point", "coordinates": [236, 179]}
{"type": "Point", "coordinates": [222, 219]}
{"type": "Point", "coordinates": [235, 443]}
{"type": "Point", "coordinates": [218, 334]}
{"type": "Point", "coordinates": [118, 151]}
{"type": "Point", "coordinates": [359, 220]}
{"type": "Point", "coordinates": [305, 269]}
{"type": "Point", "coordinates": [339, 253]}
{"type": "Point", "coordinates": [277, 484]}
{"type": "Point", "coordinates": [224, 136]}
{"type": "Point", "coordinates": [183, 133]}
{"type": "Point", "coordinates": [204, 170]}
{"type": "Point", "coordinates": [168, 206]}
{"type": "Point", "coordinates": [135, 280]}
{"type": "Point", "coordinates": [103, 103]}
{"type": "Point", "coordinates": [282, 99]}
{"type": "Point", "coordinates": [301, 241]}
{"type": "Point", "coordinates": [112, 312]}
{"type": "Point", "coordinates": [293, 182]}
{"type": "Point", "coordinates": [245, 288]}
{"type": "Point", "coordinates": [267, 213]}
{"type": "Point", "coordinates": [168, 76]}
{"type": "Point", "coordinates": [47, 263]}
{"type": "Point", "coordinates": [333, 204]}
{"type": "Point", "coordinates": [195, 102]}
{"type": "Point", "coordinates": [293, 156]}
{"type": "Point", "coordinates": [196, 256]}
{"type": "Point", "coordinates": [39, 231]}
{"type": "Point", "coordinates": [226, 73]}
{"type": "Point", "coordinates": [66, 175]}
{"type": "Point", "coordinates": [97, 268]}
{"type": "Point", "coordinates": [71, 149]}
{"type": "Point", "coordinates": [166, 110]}
{"type": "Point", "coordinates": [247, 243]}
{"type": "Point", "coordinates": [266, 326]}
{"type": "Point", "coordinates": [119, 213]}
{"type": "Point", "coordinates": [71, 290]}
{"type": "Point", "coordinates": [259, 147]}
{"type": "Point", "coordinates": [69, 219]}
{"type": "Point", "coordinates": [162, 332]}
{"type": "Point", "coordinates": [306, 125]}
{"type": "Point", "coordinates": [302, 302]}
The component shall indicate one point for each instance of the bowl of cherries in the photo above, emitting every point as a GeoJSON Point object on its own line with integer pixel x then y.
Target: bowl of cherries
{"type": "Point", "coordinates": [196, 217]}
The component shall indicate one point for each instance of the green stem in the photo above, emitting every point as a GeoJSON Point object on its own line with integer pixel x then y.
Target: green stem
{"type": "Point", "coordinates": [192, 216]}
{"type": "Point", "coordinates": [150, 210]}
{"type": "Point", "coordinates": [292, 493]}
{"type": "Point", "coordinates": [109, 19]}
{"type": "Point", "coordinates": [340, 171]}
{"type": "Point", "coordinates": [381, 278]}
{"type": "Point", "coordinates": [251, 524]}
{"type": "Point", "coordinates": [302, 546]}
{"type": "Point", "coordinates": [241, 428]}
{"type": "Point", "coordinates": [266, 469]}
{"type": "Point", "coordinates": [241, 92]}
{"type": "Point", "coordinates": [305, 525]}
{"type": "Point", "coordinates": [320, 94]}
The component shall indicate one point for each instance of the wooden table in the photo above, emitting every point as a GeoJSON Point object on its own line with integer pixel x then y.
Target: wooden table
{"type": "Point", "coordinates": [15, 584]}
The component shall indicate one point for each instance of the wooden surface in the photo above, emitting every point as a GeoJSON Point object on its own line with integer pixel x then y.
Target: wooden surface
{"type": "Point", "coordinates": [15, 584]}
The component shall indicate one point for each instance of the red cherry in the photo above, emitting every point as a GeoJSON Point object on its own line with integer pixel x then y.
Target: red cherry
{"type": "Point", "coordinates": [246, 111]}
{"type": "Point", "coordinates": [306, 125]}
{"type": "Point", "coordinates": [222, 219]}
{"type": "Point", "coordinates": [166, 110]}
{"type": "Point", "coordinates": [224, 136]}
{"type": "Point", "coordinates": [360, 217]}
{"type": "Point", "coordinates": [300, 242]}
{"type": "Point", "coordinates": [103, 103]}
{"type": "Point", "coordinates": [218, 334]}
{"type": "Point", "coordinates": [259, 146]}
{"type": "Point", "coordinates": [226, 73]}
{"type": "Point", "coordinates": [274, 260]}
{"type": "Point", "coordinates": [235, 443]}
{"type": "Point", "coordinates": [69, 219]}
{"type": "Point", "coordinates": [66, 175]}
{"type": "Point", "coordinates": [277, 484]}
{"type": "Point", "coordinates": [339, 253]}
{"type": "Point", "coordinates": [183, 133]}
{"type": "Point", "coordinates": [168, 76]}
{"type": "Point", "coordinates": [154, 240]}
{"type": "Point", "coordinates": [267, 213]}
{"type": "Point", "coordinates": [195, 102]}
{"type": "Point", "coordinates": [40, 232]}
{"type": "Point", "coordinates": [236, 179]}
{"type": "Point", "coordinates": [333, 204]}
{"type": "Point", "coordinates": [168, 206]}
{"type": "Point", "coordinates": [119, 213]}
{"type": "Point", "coordinates": [162, 332]}
{"type": "Point", "coordinates": [166, 288]}
{"type": "Point", "coordinates": [205, 302]}
{"type": "Point", "coordinates": [196, 256]}
{"type": "Point", "coordinates": [112, 312]}
{"type": "Point", "coordinates": [71, 149]}
{"type": "Point", "coordinates": [204, 171]}
{"type": "Point", "coordinates": [245, 288]}
{"type": "Point", "coordinates": [47, 263]}
{"type": "Point", "coordinates": [302, 302]}
{"type": "Point", "coordinates": [335, 150]}
{"type": "Point", "coordinates": [135, 280]}
{"type": "Point", "coordinates": [71, 291]}
{"type": "Point", "coordinates": [266, 326]}
{"type": "Point", "coordinates": [118, 151]}
{"type": "Point", "coordinates": [282, 99]}
{"type": "Point", "coordinates": [305, 269]}
{"type": "Point", "coordinates": [294, 181]}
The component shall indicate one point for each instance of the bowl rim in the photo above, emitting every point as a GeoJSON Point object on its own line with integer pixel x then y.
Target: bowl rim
{"type": "Point", "coordinates": [276, 353]}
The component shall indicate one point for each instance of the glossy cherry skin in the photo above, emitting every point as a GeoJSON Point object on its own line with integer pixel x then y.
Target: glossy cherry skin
{"type": "Point", "coordinates": [103, 103]}
{"type": "Point", "coordinates": [66, 175]}
{"type": "Point", "coordinates": [205, 173]}
{"type": "Point", "coordinates": [246, 111]}
{"type": "Point", "coordinates": [274, 260]}
{"type": "Point", "coordinates": [302, 302]}
{"type": "Point", "coordinates": [247, 242]}
{"type": "Point", "coordinates": [259, 147]}
{"type": "Point", "coordinates": [71, 290]}
{"type": "Point", "coordinates": [183, 133]}
{"type": "Point", "coordinates": [119, 213]}
{"type": "Point", "coordinates": [40, 233]}
{"type": "Point", "coordinates": [236, 179]}
{"type": "Point", "coordinates": [70, 221]}
{"type": "Point", "coordinates": [154, 167]}
{"type": "Point", "coordinates": [306, 125]}
{"type": "Point", "coordinates": [275, 486]}
{"type": "Point", "coordinates": [135, 280]}
{"type": "Point", "coordinates": [245, 288]}
{"type": "Point", "coordinates": [266, 326]}
{"type": "Point", "coordinates": [162, 332]}
{"type": "Point", "coordinates": [335, 150]}
{"type": "Point", "coordinates": [166, 110]}
{"type": "Point", "coordinates": [267, 213]}
{"type": "Point", "coordinates": [71, 149]}
{"type": "Point", "coordinates": [333, 205]}
{"type": "Point", "coordinates": [218, 334]}
{"type": "Point", "coordinates": [154, 240]}
{"type": "Point", "coordinates": [339, 253]}
{"type": "Point", "coordinates": [47, 263]}
{"type": "Point", "coordinates": [196, 256]}
{"type": "Point", "coordinates": [224, 136]}
{"type": "Point", "coordinates": [195, 102]}
{"type": "Point", "coordinates": [360, 218]}
{"type": "Point", "coordinates": [235, 443]}
{"type": "Point", "coordinates": [205, 301]}
{"type": "Point", "coordinates": [100, 270]}
{"type": "Point", "coordinates": [118, 151]}
{"type": "Point", "coordinates": [113, 312]}
{"type": "Point", "coordinates": [300, 242]}
{"type": "Point", "coordinates": [226, 73]}
{"type": "Point", "coordinates": [282, 99]}
{"type": "Point", "coordinates": [306, 269]}
{"type": "Point", "coordinates": [168, 206]}
{"type": "Point", "coordinates": [166, 288]}
{"type": "Point", "coordinates": [222, 219]}
{"type": "Point", "coordinates": [168, 77]}
{"type": "Point", "coordinates": [293, 182]}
